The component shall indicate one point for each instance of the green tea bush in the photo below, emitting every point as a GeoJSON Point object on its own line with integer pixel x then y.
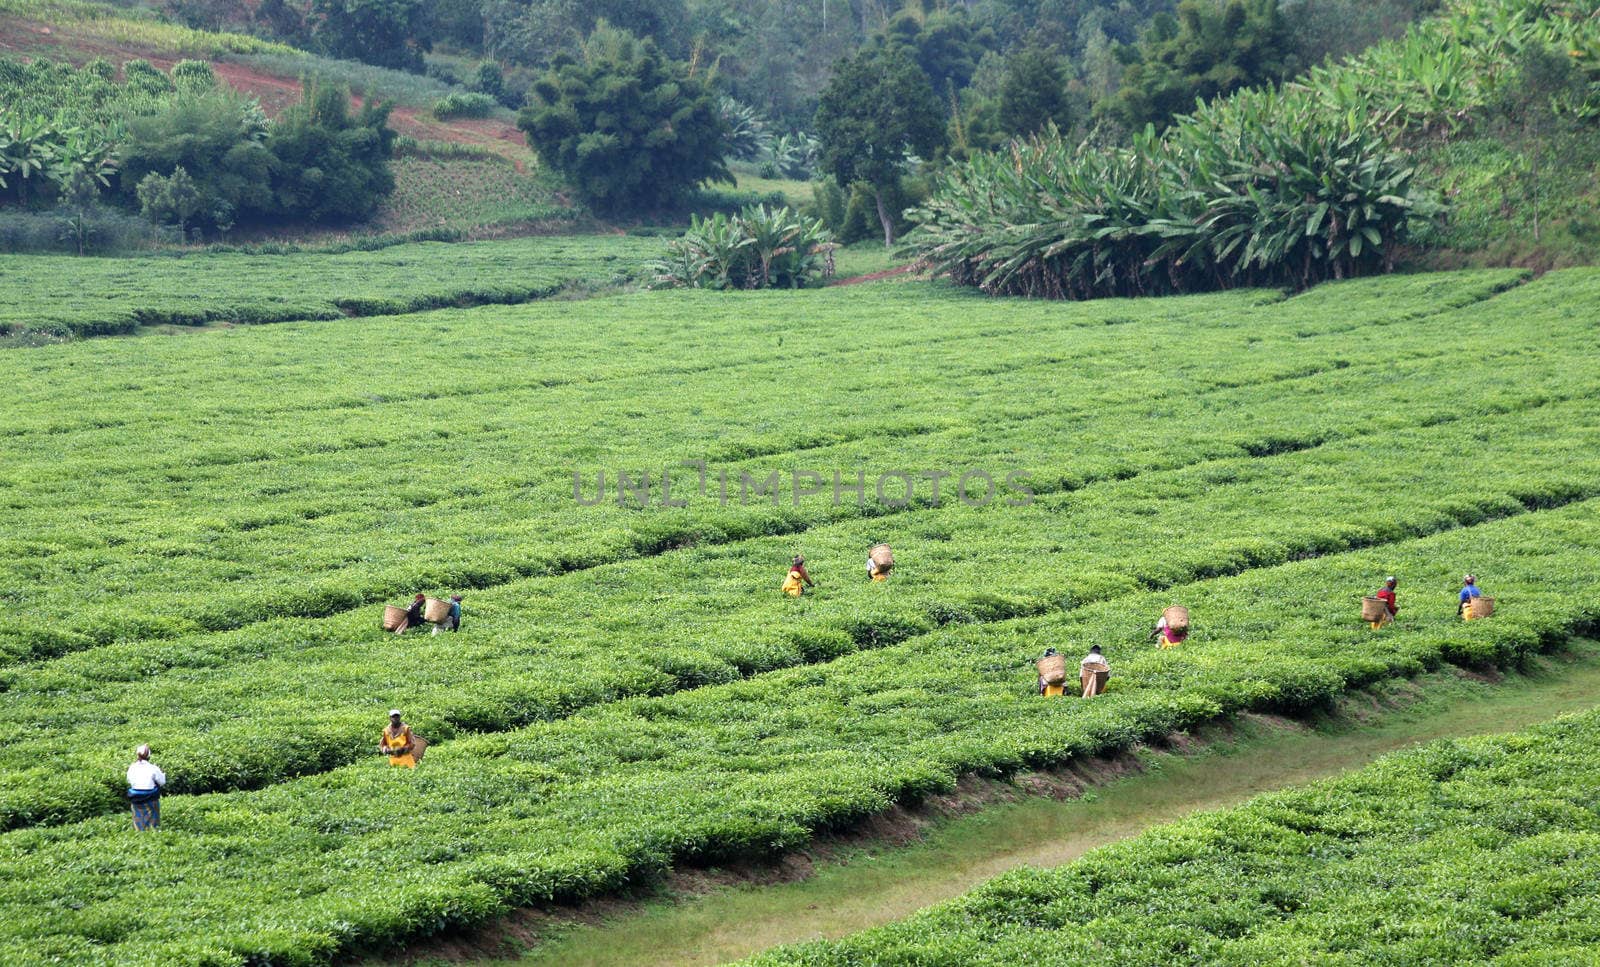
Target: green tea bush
{"type": "Point", "coordinates": [1387, 864]}
{"type": "Point", "coordinates": [277, 283]}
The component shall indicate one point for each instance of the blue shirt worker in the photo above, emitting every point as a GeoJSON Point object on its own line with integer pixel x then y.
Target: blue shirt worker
{"type": "Point", "coordinates": [452, 621]}
{"type": "Point", "coordinates": [1469, 591]}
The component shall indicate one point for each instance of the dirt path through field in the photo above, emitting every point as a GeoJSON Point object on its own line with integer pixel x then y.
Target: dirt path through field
{"type": "Point", "coordinates": [873, 881]}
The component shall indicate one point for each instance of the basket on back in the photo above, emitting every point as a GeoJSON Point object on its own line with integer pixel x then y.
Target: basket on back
{"type": "Point", "coordinates": [1481, 607]}
{"type": "Point", "coordinates": [1093, 678]}
{"type": "Point", "coordinates": [1373, 609]}
{"type": "Point", "coordinates": [393, 618]}
{"type": "Point", "coordinates": [436, 610]}
{"type": "Point", "coordinates": [883, 557]}
{"type": "Point", "coordinates": [1053, 669]}
{"type": "Point", "coordinates": [1177, 617]}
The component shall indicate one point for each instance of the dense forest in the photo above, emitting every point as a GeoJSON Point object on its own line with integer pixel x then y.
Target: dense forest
{"type": "Point", "coordinates": [776, 56]}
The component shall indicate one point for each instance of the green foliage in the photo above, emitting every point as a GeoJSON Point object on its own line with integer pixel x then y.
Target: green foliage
{"type": "Point", "coordinates": [193, 75]}
{"type": "Point", "coordinates": [87, 96]}
{"type": "Point", "coordinates": [220, 140]}
{"type": "Point", "coordinates": [1034, 94]}
{"type": "Point", "coordinates": [537, 31]}
{"type": "Point", "coordinates": [1259, 189]}
{"type": "Point", "coordinates": [1212, 48]}
{"type": "Point", "coordinates": [1436, 82]}
{"type": "Point", "coordinates": [1539, 113]}
{"type": "Point", "coordinates": [877, 109]}
{"type": "Point", "coordinates": [41, 161]}
{"type": "Point", "coordinates": [946, 44]}
{"type": "Point", "coordinates": [284, 20]}
{"type": "Point", "coordinates": [759, 248]}
{"type": "Point", "coordinates": [747, 130]}
{"type": "Point", "coordinates": [380, 32]}
{"type": "Point", "coordinates": [1331, 30]}
{"type": "Point", "coordinates": [137, 28]}
{"type": "Point", "coordinates": [449, 184]}
{"type": "Point", "coordinates": [317, 163]}
{"type": "Point", "coordinates": [1152, 218]}
{"type": "Point", "coordinates": [366, 80]}
{"type": "Point", "coordinates": [1385, 865]}
{"type": "Point", "coordinates": [173, 199]}
{"type": "Point", "coordinates": [96, 228]}
{"type": "Point", "coordinates": [628, 128]}
{"type": "Point", "coordinates": [828, 205]}
{"type": "Point", "coordinates": [794, 155]}
{"type": "Point", "coordinates": [471, 105]}
{"type": "Point", "coordinates": [490, 80]}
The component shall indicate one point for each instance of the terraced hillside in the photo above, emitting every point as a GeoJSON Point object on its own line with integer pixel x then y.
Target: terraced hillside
{"type": "Point", "coordinates": [212, 523]}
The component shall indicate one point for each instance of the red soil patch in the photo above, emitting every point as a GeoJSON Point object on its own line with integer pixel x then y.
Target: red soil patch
{"type": "Point", "coordinates": [276, 94]}
{"type": "Point", "coordinates": [487, 133]}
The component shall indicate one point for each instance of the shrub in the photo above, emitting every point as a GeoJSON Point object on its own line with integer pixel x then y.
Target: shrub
{"type": "Point", "coordinates": [760, 248]}
{"type": "Point", "coordinates": [747, 130]}
{"type": "Point", "coordinates": [471, 105]}
{"type": "Point", "coordinates": [1262, 189]}
{"type": "Point", "coordinates": [332, 165]}
{"type": "Point", "coordinates": [219, 139]}
{"type": "Point", "coordinates": [193, 74]}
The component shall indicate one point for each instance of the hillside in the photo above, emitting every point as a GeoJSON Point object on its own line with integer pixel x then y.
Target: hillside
{"type": "Point", "coordinates": [471, 174]}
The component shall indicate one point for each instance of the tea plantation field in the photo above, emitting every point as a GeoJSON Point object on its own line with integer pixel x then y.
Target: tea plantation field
{"type": "Point", "coordinates": [104, 296]}
{"type": "Point", "coordinates": [1481, 851]}
{"type": "Point", "coordinates": [211, 525]}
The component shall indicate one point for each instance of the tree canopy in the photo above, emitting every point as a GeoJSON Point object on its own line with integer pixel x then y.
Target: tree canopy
{"type": "Point", "coordinates": [630, 129]}
{"type": "Point", "coordinates": [1212, 47]}
{"type": "Point", "coordinates": [877, 109]}
{"type": "Point", "coordinates": [382, 32]}
{"type": "Point", "coordinates": [1034, 93]}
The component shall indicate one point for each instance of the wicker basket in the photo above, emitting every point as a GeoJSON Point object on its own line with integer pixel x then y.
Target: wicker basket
{"type": "Point", "coordinates": [1373, 609]}
{"type": "Point", "coordinates": [419, 745]}
{"type": "Point", "coordinates": [393, 618]}
{"type": "Point", "coordinates": [1053, 669]}
{"type": "Point", "coordinates": [436, 610]}
{"type": "Point", "coordinates": [1177, 617]}
{"type": "Point", "coordinates": [1481, 607]}
{"type": "Point", "coordinates": [883, 557]}
{"type": "Point", "coordinates": [1093, 678]}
